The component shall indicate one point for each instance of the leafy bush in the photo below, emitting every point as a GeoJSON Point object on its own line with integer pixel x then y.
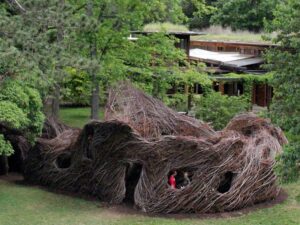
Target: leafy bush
{"type": "Point", "coordinates": [12, 115]}
{"type": "Point", "coordinates": [288, 164]}
{"type": "Point", "coordinates": [76, 87]}
{"type": "Point", "coordinates": [20, 108]}
{"type": "Point", "coordinates": [177, 102]}
{"type": "Point", "coordinates": [219, 109]}
{"type": "Point", "coordinates": [5, 147]}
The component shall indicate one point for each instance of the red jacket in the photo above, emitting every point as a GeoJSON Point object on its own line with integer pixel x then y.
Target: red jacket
{"type": "Point", "coordinates": [172, 181]}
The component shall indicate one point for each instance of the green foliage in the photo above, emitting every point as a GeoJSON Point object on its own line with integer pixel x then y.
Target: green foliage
{"type": "Point", "coordinates": [12, 115]}
{"type": "Point", "coordinates": [244, 14]}
{"type": "Point", "coordinates": [284, 61]}
{"type": "Point", "coordinates": [177, 102]}
{"type": "Point", "coordinates": [198, 12]}
{"type": "Point", "coordinates": [21, 108]}
{"type": "Point", "coordinates": [152, 62]}
{"type": "Point", "coordinates": [77, 87]}
{"type": "Point", "coordinates": [249, 80]}
{"type": "Point", "coordinates": [288, 164]}
{"type": "Point", "coordinates": [219, 109]}
{"type": "Point", "coordinates": [193, 76]}
{"type": "Point", "coordinates": [285, 108]}
{"type": "Point", "coordinates": [164, 11]}
{"type": "Point", "coordinates": [5, 147]}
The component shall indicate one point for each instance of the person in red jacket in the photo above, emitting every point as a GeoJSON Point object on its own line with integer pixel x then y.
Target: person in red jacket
{"type": "Point", "coordinates": [172, 180]}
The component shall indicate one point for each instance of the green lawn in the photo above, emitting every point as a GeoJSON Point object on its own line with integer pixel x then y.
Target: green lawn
{"type": "Point", "coordinates": [252, 38]}
{"type": "Point", "coordinates": [218, 33]}
{"type": "Point", "coordinates": [77, 117]}
{"type": "Point", "coordinates": [30, 205]}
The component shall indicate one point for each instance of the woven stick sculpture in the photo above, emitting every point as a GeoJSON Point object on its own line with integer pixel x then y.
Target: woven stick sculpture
{"type": "Point", "coordinates": [130, 159]}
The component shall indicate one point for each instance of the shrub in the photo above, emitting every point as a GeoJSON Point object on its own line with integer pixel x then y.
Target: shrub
{"type": "Point", "coordinates": [20, 108]}
{"type": "Point", "coordinates": [288, 164]}
{"type": "Point", "coordinates": [177, 102]}
{"type": "Point", "coordinates": [5, 147]}
{"type": "Point", "coordinates": [76, 87]}
{"type": "Point", "coordinates": [12, 116]}
{"type": "Point", "coordinates": [219, 109]}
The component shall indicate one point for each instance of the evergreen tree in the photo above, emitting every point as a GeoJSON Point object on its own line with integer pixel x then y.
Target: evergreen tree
{"type": "Point", "coordinates": [40, 34]}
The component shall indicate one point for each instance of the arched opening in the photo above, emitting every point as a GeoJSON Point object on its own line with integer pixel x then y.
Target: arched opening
{"type": "Point", "coordinates": [15, 161]}
{"type": "Point", "coordinates": [183, 178]}
{"type": "Point", "coordinates": [226, 182]}
{"type": "Point", "coordinates": [63, 161]}
{"type": "Point", "coordinates": [133, 174]}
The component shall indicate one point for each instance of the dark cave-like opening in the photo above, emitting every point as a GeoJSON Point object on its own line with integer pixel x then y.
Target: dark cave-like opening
{"type": "Point", "coordinates": [226, 182]}
{"type": "Point", "coordinates": [15, 162]}
{"type": "Point", "coordinates": [63, 161]}
{"type": "Point", "coordinates": [133, 174]}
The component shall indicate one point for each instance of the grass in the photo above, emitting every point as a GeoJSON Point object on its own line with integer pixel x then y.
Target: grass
{"type": "Point", "coordinates": [165, 27]}
{"type": "Point", "coordinates": [77, 117]}
{"type": "Point", "coordinates": [218, 33]}
{"type": "Point", "coordinates": [31, 205]}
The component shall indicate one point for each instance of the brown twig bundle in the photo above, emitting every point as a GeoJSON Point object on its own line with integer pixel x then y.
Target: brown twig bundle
{"type": "Point", "coordinates": [149, 116]}
{"type": "Point", "coordinates": [227, 170]}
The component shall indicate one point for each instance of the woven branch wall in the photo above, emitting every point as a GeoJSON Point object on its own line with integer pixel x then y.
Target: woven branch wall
{"type": "Point", "coordinates": [115, 161]}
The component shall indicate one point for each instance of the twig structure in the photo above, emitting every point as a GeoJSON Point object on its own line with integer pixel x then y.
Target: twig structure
{"type": "Point", "coordinates": [131, 155]}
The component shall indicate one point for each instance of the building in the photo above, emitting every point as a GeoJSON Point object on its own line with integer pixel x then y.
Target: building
{"type": "Point", "coordinates": [222, 58]}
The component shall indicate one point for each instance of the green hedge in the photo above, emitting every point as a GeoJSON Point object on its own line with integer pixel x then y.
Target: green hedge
{"type": "Point", "coordinates": [219, 109]}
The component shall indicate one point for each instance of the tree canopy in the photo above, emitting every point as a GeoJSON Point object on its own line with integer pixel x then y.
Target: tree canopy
{"type": "Point", "coordinates": [244, 14]}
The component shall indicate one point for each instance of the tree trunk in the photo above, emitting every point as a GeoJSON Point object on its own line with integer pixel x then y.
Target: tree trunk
{"type": "Point", "coordinates": [156, 88]}
{"type": "Point", "coordinates": [190, 98]}
{"type": "Point", "coordinates": [93, 55]}
{"type": "Point", "coordinates": [51, 104]}
{"type": "Point", "coordinates": [55, 102]}
{"type": "Point", "coordinates": [95, 101]}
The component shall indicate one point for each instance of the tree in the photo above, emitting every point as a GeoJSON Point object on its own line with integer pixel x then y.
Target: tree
{"type": "Point", "coordinates": [244, 14]}
{"type": "Point", "coordinates": [163, 11]}
{"type": "Point", "coordinates": [101, 41]}
{"type": "Point", "coordinates": [152, 61]}
{"type": "Point", "coordinates": [284, 61]}
{"type": "Point", "coordinates": [198, 12]}
{"type": "Point", "coordinates": [40, 34]}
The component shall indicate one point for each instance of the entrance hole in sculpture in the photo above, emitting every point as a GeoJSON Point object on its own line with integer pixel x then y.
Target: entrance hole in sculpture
{"type": "Point", "coordinates": [183, 177]}
{"type": "Point", "coordinates": [133, 174]}
{"type": "Point", "coordinates": [226, 182]}
{"type": "Point", "coordinates": [63, 161]}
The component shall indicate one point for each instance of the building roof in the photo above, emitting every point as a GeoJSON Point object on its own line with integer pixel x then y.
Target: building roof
{"type": "Point", "coordinates": [236, 43]}
{"type": "Point", "coordinates": [245, 62]}
{"type": "Point", "coordinates": [230, 59]}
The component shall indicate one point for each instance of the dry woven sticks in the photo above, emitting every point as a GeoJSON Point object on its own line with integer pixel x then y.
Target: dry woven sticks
{"type": "Point", "coordinates": [149, 116]}
{"type": "Point", "coordinates": [116, 161]}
